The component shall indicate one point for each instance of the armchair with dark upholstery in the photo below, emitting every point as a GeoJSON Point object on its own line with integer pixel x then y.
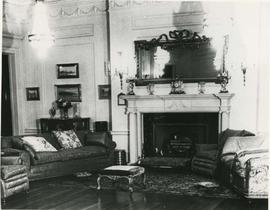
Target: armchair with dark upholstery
{"type": "Point", "coordinates": [207, 158]}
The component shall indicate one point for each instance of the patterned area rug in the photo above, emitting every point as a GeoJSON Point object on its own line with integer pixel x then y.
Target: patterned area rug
{"type": "Point", "coordinates": [158, 181]}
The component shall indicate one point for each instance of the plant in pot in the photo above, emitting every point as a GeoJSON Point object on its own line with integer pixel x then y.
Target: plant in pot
{"type": "Point", "coordinates": [63, 105]}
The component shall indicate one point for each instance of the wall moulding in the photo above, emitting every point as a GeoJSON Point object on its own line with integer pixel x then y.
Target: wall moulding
{"type": "Point", "coordinates": [31, 130]}
{"type": "Point", "coordinates": [119, 133]}
{"type": "Point", "coordinates": [118, 4]}
{"type": "Point", "coordinates": [74, 31]}
{"type": "Point", "coordinates": [167, 20]}
{"type": "Point", "coordinates": [75, 10]}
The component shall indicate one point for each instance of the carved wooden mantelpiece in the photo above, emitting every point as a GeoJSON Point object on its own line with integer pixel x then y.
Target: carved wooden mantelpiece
{"type": "Point", "coordinates": [138, 105]}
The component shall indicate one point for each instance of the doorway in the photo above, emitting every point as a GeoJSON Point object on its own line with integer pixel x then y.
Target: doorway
{"type": "Point", "coordinates": [6, 110]}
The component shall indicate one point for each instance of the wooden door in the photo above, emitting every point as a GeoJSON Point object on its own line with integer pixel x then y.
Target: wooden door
{"type": "Point", "coordinates": [6, 115]}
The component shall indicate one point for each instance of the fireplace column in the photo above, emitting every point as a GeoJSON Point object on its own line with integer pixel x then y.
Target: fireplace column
{"type": "Point", "coordinates": [133, 137]}
{"type": "Point", "coordinates": [224, 110]}
{"type": "Point", "coordinates": [139, 135]}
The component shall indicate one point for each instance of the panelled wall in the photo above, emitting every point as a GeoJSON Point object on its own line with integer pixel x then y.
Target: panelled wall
{"type": "Point", "coordinates": [80, 37]}
{"type": "Point", "coordinates": [136, 20]}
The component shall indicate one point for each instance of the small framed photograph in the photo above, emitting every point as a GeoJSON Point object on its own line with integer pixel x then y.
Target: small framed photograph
{"type": "Point", "coordinates": [120, 100]}
{"type": "Point", "coordinates": [104, 91]}
{"type": "Point", "coordinates": [69, 92]}
{"type": "Point", "coordinates": [32, 94]}
{"type": "Point", "coordinates": [68, 70]}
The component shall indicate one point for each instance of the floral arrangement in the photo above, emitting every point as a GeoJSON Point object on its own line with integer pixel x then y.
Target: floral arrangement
{"type": "Point", "coordinates": [63, 104]}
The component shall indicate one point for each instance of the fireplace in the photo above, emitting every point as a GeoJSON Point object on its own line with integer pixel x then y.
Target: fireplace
{"type": "Point", "coordinates": [208, 114]}
{"type": "Point", "coordinates": [175, 134]}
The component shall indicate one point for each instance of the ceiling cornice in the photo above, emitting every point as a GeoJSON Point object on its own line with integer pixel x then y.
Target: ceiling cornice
{"type": "Point", "coordinates": [19, 2]}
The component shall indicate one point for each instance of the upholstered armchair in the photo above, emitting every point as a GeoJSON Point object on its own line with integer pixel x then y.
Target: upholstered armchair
{"type": "Point", "coordinates": [207, 158]}
{"type": "Point", "coordinates": [14, 176]}
{"type": "Point", "coordinates": [244, 165]}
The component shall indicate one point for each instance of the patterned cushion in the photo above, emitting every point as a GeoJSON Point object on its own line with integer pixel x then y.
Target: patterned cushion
{"type": "Point", "coordinates": [38, 144]}
{"type": "Point", "coordinates": [67, 139]}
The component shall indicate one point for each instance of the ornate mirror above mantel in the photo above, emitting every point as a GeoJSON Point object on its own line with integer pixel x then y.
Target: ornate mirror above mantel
{"type": "Point", "coordinates": [180, 55]}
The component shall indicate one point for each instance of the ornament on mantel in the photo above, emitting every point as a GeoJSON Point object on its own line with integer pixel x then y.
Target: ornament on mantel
{"type": "Point", "coordinates": [150, 88]}
{"type": "Point", "coordinates": [223, 78]}
{"type": "Point", "coordinates": [201, 87]}
{"type": "Point", "coordinates": [130, 88]}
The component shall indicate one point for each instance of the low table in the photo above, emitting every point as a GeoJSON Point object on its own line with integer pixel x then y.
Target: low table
{"type": "Point", "coordinates": [122, 172]}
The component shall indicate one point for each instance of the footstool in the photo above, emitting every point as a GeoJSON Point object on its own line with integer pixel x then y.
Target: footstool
{"type": "Point", "coordinates": [122, 172]}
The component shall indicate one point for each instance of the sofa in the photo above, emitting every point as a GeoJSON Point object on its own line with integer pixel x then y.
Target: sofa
{"type": "Point", "coordinates": [245, 164]}
{"type": "Point", "coordinates": [96, 153]}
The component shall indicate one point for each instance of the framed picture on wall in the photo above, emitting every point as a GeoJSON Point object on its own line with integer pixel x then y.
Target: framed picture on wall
{"type": "Point", "coordinates": [120, 100]}
{"type": "Point", "coordinates": [68, 70]}
{"type": "Point", "coordinates": [70, 92]}
{"type": "Point", "coordinates": [32, 94]}
{"type": "Point", "coordinates": [104, 91]}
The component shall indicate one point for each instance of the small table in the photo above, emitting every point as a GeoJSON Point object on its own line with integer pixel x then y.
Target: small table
{"type": "Point", "coordinates": [49, 124]}
{"type": "Point", "coordinates": [122, 172]}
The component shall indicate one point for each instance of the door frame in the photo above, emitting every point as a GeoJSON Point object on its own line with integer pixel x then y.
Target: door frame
{"type": "Point", "coordinates": [13, 54]}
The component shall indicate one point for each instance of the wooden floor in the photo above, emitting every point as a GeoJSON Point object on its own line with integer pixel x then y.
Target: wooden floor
{"type": "Point", "coordinates": [44, 196]}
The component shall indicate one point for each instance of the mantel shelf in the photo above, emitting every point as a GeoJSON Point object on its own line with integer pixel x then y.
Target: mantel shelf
{"type": "Point", "coordinates": [178, 96]}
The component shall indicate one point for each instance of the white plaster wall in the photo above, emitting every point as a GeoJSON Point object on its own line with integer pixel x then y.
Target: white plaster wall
{"type": "Point", "coordinates": [80, 37]}
{"type": "Point", "coordinates": [133, 21]}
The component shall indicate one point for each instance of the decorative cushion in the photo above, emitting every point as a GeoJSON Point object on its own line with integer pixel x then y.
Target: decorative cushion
{"type": "Point", "coordinates": [247, 133]}
{"type": "Point", "coordinates": [230, 133]}
{"type": "Point", "coordinates": [51, 139]}
{"type": "Point", "coordinates": [67, 139]}
{"type": "Point", "coordinates": [234, 144]}
{"type": "Point", "coordinates": [81, 136]}
{"type": "Point", "coordinates": [38, 144]}
{"type": "Point", "coordinates": [225, 135]}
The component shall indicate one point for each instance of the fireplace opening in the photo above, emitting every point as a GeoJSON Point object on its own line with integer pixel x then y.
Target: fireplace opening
{"type": "Point", "coordinates": [176, 134]}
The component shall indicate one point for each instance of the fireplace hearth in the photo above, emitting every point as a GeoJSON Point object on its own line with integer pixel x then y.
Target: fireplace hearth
{"type": "Point", "coordinates": [175, 134]}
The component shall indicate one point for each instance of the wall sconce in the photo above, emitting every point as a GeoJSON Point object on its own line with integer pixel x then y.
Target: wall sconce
{"type": "Point", "coordinates": [244, 71]}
